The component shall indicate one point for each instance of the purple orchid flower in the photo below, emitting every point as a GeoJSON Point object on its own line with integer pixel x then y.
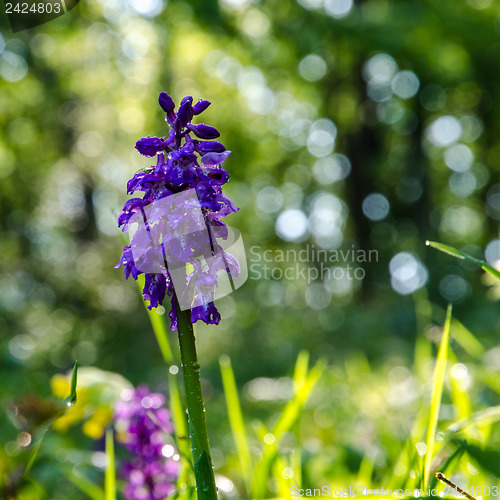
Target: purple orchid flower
{"type": "Point", "coordinates": [187, 159]}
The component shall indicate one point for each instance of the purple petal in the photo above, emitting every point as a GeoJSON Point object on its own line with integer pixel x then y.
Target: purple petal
{"type": "Point", "coordinates": [130, 208]}
{"type": "Point", "coordinates": [204, 131]}
{"type": "Point", "coordinates": [127, 260]}
{"type": "Point", "coordinates": [166, 102]}
{"type": "Point", "coordinates": [139, 180]}
{"type": "Point", "coordinates": [207, 201]}
{"type": "Point", "coordinates": [210, 147]}
{"type": "Point", "coordinates": [124, 218]}
{"type": "Point", "coordinates": [185, 113]}
{"type": "Point", "coordinates": [160, 162]}
{"type": "Point", "coordinates": [228, 207]}
{"type": "Point", "coordinates": [213, 159]}
{"type": "Point", "coordinates": [200, 106]}
{"type": "Point", "coordinates": [154, 289]}
{"type": "Point", "coordinates": [173, 316]}
{"type": "Point", "coordinates": [149, 146]}
{"type": "Point", "coordinates": [207, 313]}
{"type": "Point", "coordinates": [217, 175]}
{"type": "Point", "coordinates": [170, 141]}
{"type": "Point", "coordinates": [178, 175]}
{"type": "Point", "coordinates": [136, 203]}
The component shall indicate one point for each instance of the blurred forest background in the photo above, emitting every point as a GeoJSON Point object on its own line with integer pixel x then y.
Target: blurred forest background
{"type": "Point", "coordinates": [372, 124]}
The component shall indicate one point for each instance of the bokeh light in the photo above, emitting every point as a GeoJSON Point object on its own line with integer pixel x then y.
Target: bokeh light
{"type": "Point", "coordinates": [408, 274]}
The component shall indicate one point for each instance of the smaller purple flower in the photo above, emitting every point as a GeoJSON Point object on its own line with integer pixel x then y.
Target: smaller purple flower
{"type": "Point", "coordinates": [143, 424]}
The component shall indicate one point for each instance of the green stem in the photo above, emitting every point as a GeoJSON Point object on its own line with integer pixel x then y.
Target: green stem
{"type": "Point", "coordinates": [204, 474]}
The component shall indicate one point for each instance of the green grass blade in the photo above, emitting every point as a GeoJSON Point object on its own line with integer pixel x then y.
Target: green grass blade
{"type": "Point", "coordinates": [423, 348]}
{"type": "Point", "coordinates": [393, 481]}
{"type": "Point", "coordinates": [65, 404]}
{"type": "Point", "coordinates": [462, 335]}
{"type": "Point", "coordinates": [365, 471]}
{"type": "Point", "coordinates": [479, 419]}
{"type": "Point", "coordinates": [236, 418]}
{"type": "Point", "coordinates": [110, 474]}
{"type": "Point", "coordinates": [297, 475]}
{"type": "Point", "coordinates": [293, 408]}
{"type": "Point", "coordinates": [159, 328]}
{"type": "Point", "coordinates": [91, 490]}
{"type": "Point", "coordinates": [466, 339]}
{"type": "Point", "coordinates": [299, 378]}
{"type": "Point", "coordinates": [38, 491]}
{"type": "Point", "coordinates": [449, 466]}
{"type": "Point", "coordinates": [459, 394]}
{"type": "Point", "coordinates": [464, 256]}
{"type": "Point", "coordinates": [437, 391]}
{"type": "Point", "coordinates": [283, 481]}
{"type": "Point", "coordinates": [488, 459]}
{"type": "Point", "coordinates": [300, 370]}
{"type": "Point", "coordinates": [260, 429]}
{"type": "Point", "coordinates": [407, 457]}
{"type": "Point", "coordinates": [74, 379]}
{"type": "Point", "coordinates": [285, 423]}
{"type": "Point", "coordinates": [35, 449]}
{"type": "Point", "coordinates": [71, 399]}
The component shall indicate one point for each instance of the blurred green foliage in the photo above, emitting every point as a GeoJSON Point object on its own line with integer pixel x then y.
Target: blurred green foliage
{"type": "Point", "coordinates": [373, 125]}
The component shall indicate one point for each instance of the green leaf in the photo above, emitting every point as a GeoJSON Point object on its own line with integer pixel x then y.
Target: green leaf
{"type": "Point", "coordinates": [71, 399]}
{"type": "Point", "coordinates": [437, 391]}
{"type": "Point", "coordinates": [464, 256]}
{"type": "Point", "coordinates": [459, 394]}
{"type": "Point", "coordinates": [159, 328]}
{"type": "Point", "coordinates": [65, 404]}
{"type": "Point", "coordinates": [300, 370]}
{"type": "Point", "coordinates": [293, 408]}
{"type": "Point", "coordinates": [35, 449]}
{"type": "Point", "coordinates": [484, 417]}
{"type": "Point", "coordinates": [110, 475]}
{"type": "Point", "coordinates": [303, 384]}
{"type": "Point", "coordinates": [90, 489]}
{"type": "Point", "coordinates": [466, 339]}
{"type": "Point", "coordinates": [204, 474]}
{"type": "Point", "coordinates": [365, 471]}
{"type": "Point", "coordinates": [451, 463]}
{"type": "Point", "coordinates": [488, 459]}
{"type": "Point", "coordinates": [236, 418]}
